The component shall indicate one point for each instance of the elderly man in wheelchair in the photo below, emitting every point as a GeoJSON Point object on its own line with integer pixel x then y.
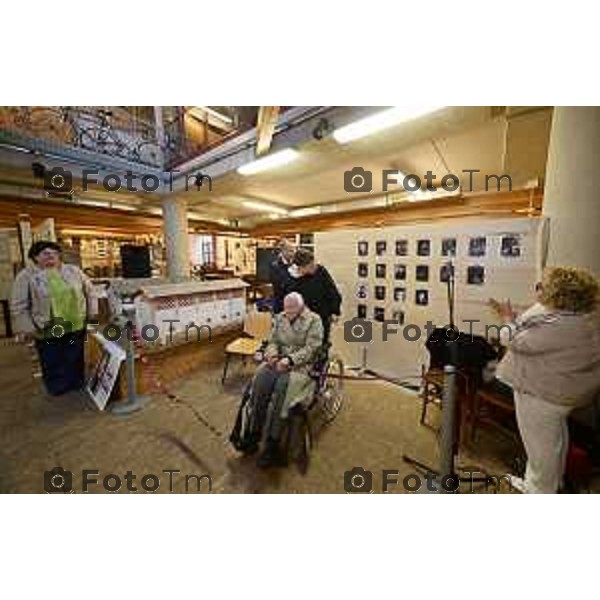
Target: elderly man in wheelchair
{"type": "Point", "coordinates": [283, 385]}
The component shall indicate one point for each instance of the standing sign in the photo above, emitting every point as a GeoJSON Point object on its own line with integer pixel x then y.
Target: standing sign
{"type": "Point", "coordinates": [104, 374]}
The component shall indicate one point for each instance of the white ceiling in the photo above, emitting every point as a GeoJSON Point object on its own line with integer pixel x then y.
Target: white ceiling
{"type": "Point", "coordinates": [455, 139]}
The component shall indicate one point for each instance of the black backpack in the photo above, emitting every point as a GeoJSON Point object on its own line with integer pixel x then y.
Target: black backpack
{"type": "Point", "coordinates": [247, 430]}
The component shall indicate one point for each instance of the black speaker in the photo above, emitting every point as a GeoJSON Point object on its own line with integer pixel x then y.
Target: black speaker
{"type": "Point", "coordinates": [264, 258]}
{"type": "Point", "coordinates": [135, 261]}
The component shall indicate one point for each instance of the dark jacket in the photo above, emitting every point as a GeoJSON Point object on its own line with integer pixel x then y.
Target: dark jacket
{"type": "Point", "coordinates": [282, 282]}
{"type": "Point", "coordinates": [320, 293]}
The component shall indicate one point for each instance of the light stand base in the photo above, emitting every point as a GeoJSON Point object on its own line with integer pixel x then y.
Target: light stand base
{"type": "Point", "coordinates": [131, 406]}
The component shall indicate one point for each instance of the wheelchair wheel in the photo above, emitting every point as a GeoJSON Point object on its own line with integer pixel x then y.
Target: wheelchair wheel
{"type": "Point", "coordinates": [331, 395]}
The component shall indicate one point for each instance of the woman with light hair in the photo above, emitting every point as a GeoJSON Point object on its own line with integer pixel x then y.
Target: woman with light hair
{"type": "Point", "coordinates": [553, 365]}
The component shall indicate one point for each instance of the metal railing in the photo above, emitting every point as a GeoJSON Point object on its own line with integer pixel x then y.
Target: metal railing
{"type": "Point", "coordinates": [112, 131]}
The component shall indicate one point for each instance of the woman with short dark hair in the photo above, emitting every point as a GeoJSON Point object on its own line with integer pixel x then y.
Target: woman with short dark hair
{"type": "Point", "coordinates": [316, 285]}
{"type": "Point", "coordinates": [50, 303]}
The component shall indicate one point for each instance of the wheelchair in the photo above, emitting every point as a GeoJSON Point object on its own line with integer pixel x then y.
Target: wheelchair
{"type": "Point", "coordinates": [304, 421]}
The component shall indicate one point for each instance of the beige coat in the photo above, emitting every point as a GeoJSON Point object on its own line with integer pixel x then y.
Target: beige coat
{"type": "Point", "coordinates": [30, 302]}
{"type": "Point", "coordinates": [555, 356]}
{"type": "Point", "coordinates": [301, 342]}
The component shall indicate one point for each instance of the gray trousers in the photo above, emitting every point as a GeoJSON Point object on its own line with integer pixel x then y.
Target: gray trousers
{"type": "Point", "coordinates": [269, 390]}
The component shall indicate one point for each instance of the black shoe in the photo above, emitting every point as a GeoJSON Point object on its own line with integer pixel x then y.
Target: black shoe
{"type": "Point", "coordinates": [271, 457]}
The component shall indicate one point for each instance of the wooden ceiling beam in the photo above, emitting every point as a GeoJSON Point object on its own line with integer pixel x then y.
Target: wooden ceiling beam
{"type": "Point", "coordinates": [72, 216]}
{"type": "Point", "coordinates": [265, 128]}
{"type": "Point", "coordinates": [501, 204]}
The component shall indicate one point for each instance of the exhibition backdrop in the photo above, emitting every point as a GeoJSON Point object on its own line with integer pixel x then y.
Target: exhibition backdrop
{"type": "Point", "coordinates": [399, 273]}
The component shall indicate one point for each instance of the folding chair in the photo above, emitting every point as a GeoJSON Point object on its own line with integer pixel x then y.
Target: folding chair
{"type": "Point", "coordinates": [257, 326]}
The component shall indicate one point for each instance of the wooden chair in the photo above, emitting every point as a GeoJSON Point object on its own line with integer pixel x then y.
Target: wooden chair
{"type": "Point", "coordinates": [432, 390]}
{"type": "Point", "coordinates": [257, 326]}
{"type": "Point", "coordinates": [491, 407]}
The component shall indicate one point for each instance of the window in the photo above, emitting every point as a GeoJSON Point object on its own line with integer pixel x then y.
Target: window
{"type": "Point", "coordinates": [203, 252]}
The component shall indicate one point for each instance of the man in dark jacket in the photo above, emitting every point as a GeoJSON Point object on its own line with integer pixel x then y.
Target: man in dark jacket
{"type": "Point", "coordinates": [317, 287]}
{"type": "Point", "coordinates": [279, 275]}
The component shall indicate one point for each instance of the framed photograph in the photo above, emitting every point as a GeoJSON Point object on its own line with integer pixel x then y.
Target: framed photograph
{"type": "Point", "coordinates": [363, 270]}
{"type": "Point", "coordinates": [362, 292]}
{"type": "Point", "coordinates": [380, 271]}
{"type": "Point", "coordinates": [422, 273]}
{"type": "Point", "coordinates": [399, 294]}
{"type": "Point", "coordinates": [445, 273]}
{"type": "Point", "coordinates": [398, 315]}
{"type": "Point", "coordinates": [379, 314]}
{"type": "Point", "coordinates": [361, 311]}
{"type": "Point", "coordinates": [422, 297]}
{"type": "Point", "coordinates": [449, 247]}
{"type": "Point", "coordinates": [380, 292]}
{"type": "Point", "coordinates": [104, 373]}
{"type": "Point", "coordinates": [476, 275]}
{"type": "Point", "coordinates": [380, 248]}
{"type": "Point", "coordinates": [363, 248]}
{"type": "Point", "coordinates": [401, 247]}
{"type": "Point", "coordinates": [477, 246]}
{"type": "Point", "coordinates": [511, 246]}
{"type": "Point", "coordinates": [400, 272]}
{"type": "Point", "coordinates": [424, 248]}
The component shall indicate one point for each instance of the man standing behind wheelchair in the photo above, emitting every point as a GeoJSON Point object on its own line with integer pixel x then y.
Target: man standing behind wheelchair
{"type": "Point", "coordinates": [282, 384]}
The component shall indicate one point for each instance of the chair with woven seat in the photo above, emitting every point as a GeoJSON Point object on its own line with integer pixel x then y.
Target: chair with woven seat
{"type": "Point", "coordinates": [257, 326]}
{"type": "Point", "coordinates": [432, 390]}
{"type": "Point", "coordinates": [493, 405]}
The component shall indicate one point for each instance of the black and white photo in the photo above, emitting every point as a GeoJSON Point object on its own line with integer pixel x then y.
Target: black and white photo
{"type": "Point", "coordinates": [477, 246]}
{"type": "Point", "coordinates": [422, 297]}
{"type": "Point", "coordinates": [449, 247]}
{"type": "Point", "coordinates": [423, 247]}
{"type": "Point", "coordinates": [399, 294]}
{"type": "Point", "coordinates": [401, 247]}
{"type": "Point", "coordinates": [422, 273]}
{"type": "Point", "coordinates": [398, 316]}
{"type": "Point", "coordinates": [511, 246]}
{"type": "Point", "coordinates": [400, 272]}
{"type": "Point", "coordinates": [381, 248]}
{"type": "Point", "coordinates": [476, 275]}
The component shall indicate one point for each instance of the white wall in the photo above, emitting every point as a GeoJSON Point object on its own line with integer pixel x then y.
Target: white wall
{"type": "Point", "coordinates": [504, 278]}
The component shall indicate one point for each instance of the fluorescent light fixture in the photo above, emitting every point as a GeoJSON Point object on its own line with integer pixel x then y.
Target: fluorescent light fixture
{"type": "Point", "coordinates": [123, 206]}
{"type": "Point", "coordinates": [305, 212]}
{"type": "Point", "coordinates": [380, 121]}
{"type": "Point", "coordinates": [264, 207]}
{"type": "Point", "coordinates": [98, 203]}
{"type": "Point", "coordinates": [192, 215]}
{"type": "Point", "coordinates": [271, 161]}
